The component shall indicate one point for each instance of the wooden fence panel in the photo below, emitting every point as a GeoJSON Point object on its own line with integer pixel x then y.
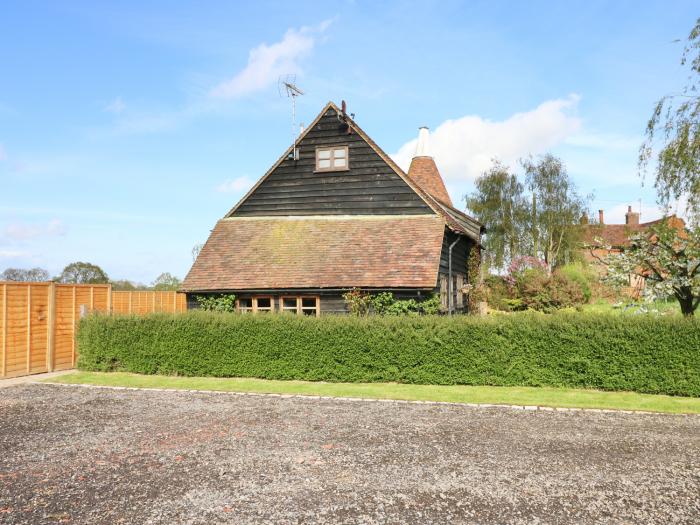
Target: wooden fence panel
{"type": "Point", "coordinates": [38, 322]}
{"type": "Point", "coordinates": [146, 302]}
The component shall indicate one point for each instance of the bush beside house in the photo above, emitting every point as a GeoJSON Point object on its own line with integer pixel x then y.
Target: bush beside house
{"type": "Point", "coordinates": [650, 355]}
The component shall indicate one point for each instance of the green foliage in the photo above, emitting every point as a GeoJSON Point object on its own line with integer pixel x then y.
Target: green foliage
{"type": "Point", "coordinates": [538, 217]}
{"type": "Point", "coordinates": [500, 204]}
{"type": "Point", "coordinates": [166, 282]}
{"type": "Point", "coordinates": [358, 302]}
{"type": "Point", "coordinates": [83, 273]}
{"type": "Point", "coordinates": [582, 274]}
{"type": "Point", "coordinates": [126, 285]}
{"type": "Point", "coordinates": [22, 275]}
{"type": "Point", "coordinates": [667, 258]}
{"type": "Point", "coordinates": [628, 353]}
{"type": "Point", "coordinates": [385, 303]}
{"type": "Point", "coordinates": [217, 303]}
{"type": "Point", "coordinates": [673, 137]}
{"type": "Point", "coordinates": [555, 210]}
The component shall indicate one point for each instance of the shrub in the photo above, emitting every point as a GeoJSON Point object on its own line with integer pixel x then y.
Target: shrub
{"type": "Point", "coordinates": [639, 353]}
{"type": "Point", "coordinates": [357, 301]}
{"type": "Point", "coordinates": [217, 303]}
{"type": "Point", "coordinates": [581, 274]}
{"type": "Point", "coordinates": [384, 303]}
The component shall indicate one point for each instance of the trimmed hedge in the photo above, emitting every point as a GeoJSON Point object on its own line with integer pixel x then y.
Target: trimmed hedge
{"type": "Point", "coordinates": [637, 353]}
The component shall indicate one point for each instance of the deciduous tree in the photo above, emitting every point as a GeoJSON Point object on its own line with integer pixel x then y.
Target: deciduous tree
{"type": "Point", "coordinates": [83, 273]}
{"type": "Point", "coordinates": [669, 261]}
{"type": "Point", "coordinates": [24, 275]}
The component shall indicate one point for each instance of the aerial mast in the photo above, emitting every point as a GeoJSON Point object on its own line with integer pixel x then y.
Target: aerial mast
{"type": "Point", "coordinates": [292, 91]}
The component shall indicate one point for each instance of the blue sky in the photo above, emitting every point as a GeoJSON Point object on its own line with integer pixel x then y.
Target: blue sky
{"type": "Point", "coordinates": [127, 130]}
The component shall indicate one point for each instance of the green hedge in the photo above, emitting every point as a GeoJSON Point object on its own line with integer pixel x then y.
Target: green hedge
{"type": "Point", "coordinates": [639, 353]}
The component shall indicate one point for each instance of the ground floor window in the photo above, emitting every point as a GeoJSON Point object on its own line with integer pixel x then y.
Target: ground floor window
{"type": "Point", "coordinates": [299, 305]}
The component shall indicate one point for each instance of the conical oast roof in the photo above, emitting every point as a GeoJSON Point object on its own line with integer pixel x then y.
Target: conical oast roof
{"type": "Point", "coordinates": [424, 172]}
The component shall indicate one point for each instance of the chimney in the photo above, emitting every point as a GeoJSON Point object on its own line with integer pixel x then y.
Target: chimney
{"type": "Point", "coordinates": [631, 218]}
{"type": "Point", "coordinates": [600, 217]}
{"type": "Point", "coordinates": [423, 146]}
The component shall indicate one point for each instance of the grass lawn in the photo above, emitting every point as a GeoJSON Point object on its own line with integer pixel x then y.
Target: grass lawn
{"type": "Point", "coordinates": [550, 397]}
{"type": "Point", "coordinates": [602, 306]}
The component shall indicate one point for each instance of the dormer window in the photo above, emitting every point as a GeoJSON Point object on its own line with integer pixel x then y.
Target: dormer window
{"type": "Point", "coordinates": [332, 159]}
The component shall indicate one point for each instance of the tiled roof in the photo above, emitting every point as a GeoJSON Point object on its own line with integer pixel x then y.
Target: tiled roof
{"type": "Point", "coordinates": [618, 235]}
{"type": "Point", "coordinates": [424, 172]}
{"type": "Point", "coordinates": [319, 252]}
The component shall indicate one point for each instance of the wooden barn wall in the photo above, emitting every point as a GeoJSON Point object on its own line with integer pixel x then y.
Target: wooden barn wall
{"type": "Point", "coordinates": [460, 253]}
{"type": "Point", "coordinates": [370, 186]}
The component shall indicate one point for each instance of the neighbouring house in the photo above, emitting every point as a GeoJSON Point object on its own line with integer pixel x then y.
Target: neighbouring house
{"type": "Point", "coordinates": [335, 213]}
{"type": "Point", "coordinates": [601, 239]}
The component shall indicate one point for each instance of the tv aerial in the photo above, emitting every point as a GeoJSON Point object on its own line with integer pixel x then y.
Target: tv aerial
{"type": "Point", "coordinates": [287, 84]}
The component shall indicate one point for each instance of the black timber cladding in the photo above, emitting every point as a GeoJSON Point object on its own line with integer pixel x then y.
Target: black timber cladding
{"type": "Point", "coordinates": [460, 253]}
{"type": "Point", "coordinates": [369, 187]}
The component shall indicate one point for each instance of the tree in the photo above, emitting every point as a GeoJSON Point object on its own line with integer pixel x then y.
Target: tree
{"type": "Point", "coordinates": [675, 122]}
{"type": "Point", "coordinates": [555, 210]}
{"type": "Point", "coordinates": [166, 281]}
{"type": "Point", "coordinates": [500, 205]}
{"type": "Point", "coordinates": [126, 285]}
{"type": "Point", "coordinates": [668, 259]}
{"type": "Point", "coordinates": [83, 273]}
{"type": "Point", "coordinates": [22, 275]}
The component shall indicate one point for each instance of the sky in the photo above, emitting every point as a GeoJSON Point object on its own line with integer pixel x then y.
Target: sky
{"type": "Point", "coordinates": [128, 129]}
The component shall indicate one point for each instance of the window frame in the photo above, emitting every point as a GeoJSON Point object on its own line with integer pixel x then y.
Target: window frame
{"type": "Point", "coordinates": [289, 310]}
{"type": "Point", "coordinates": [246, 309]}
{"type": "Point", "coordinates": [257, 309]}
{"type": "Point", "coordinates": [316, 308]}
{"type": "Point", "coordinates": [332, 158]}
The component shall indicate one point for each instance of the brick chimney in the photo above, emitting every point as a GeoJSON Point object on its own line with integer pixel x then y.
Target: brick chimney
{"type": "Point", "coordinates": [631, 217]}
{"type": "Point", "coordinates": [600, 217]}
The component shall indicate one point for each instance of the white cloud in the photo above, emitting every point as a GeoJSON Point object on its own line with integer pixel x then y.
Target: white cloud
{"type": "Point", "coordinates": [267, 62]}
{"type": "Point", "coordinates": [464, 147]}
{"type": "Point", "coordinates": [237, 185]}
{"type": "Point", "coordinates": [116, 106]}
{"type": "Point", "coordinates": [19, 231]}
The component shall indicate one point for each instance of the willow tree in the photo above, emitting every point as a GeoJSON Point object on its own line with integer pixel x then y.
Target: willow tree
{"type": "Point", "coordinates": [555, 210]}
{"type": "Point", "coordinates": [500, 205]}
{"type": "Point", "coordinates": [673, 137]}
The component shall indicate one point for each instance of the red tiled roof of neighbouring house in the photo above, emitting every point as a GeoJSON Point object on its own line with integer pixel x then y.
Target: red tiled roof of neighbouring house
{"type": "Point", "coordinates": [319, 252]}
{"type": "Point", "coordinates": [618, 235]}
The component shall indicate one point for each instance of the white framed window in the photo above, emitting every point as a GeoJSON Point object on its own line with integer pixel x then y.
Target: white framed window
{"type": "Point", "coordinates": [310, 306]}
{"type": "Point", "coordinates": [333, 158]}
{"type": "Point", "coordinates": [301, 305]}
{"type": "Point", "coordinates": [263, 305]}
{"type": "Point", "coordinates": [244, 305]}
{"type": "Point", "coordinates": [290, 305]}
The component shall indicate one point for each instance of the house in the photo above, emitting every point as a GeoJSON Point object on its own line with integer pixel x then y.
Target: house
{"type": "Point", "coordinates": [601, 239]}
{"type": "Point", "coordinates": [335, 213]}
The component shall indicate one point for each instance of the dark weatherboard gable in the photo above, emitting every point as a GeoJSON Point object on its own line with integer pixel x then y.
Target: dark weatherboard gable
{"type": "Point", "coordinates": [369, 187]}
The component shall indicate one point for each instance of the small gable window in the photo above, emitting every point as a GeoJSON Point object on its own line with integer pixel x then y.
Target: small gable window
{"type": "Point", "coordinates": [332, 159]}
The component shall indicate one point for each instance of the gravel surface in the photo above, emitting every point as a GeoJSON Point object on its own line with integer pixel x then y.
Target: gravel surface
{"type": "Point", "coordinates": [86, 455]}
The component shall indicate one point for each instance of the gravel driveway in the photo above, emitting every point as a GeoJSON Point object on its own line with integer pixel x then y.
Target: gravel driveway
{"type": "Point", "coordinates": [86, 455]}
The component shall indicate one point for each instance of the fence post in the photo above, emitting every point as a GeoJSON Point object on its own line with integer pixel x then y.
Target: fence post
{"type": "Point", "coordinates": [51, 345]}
{"type": "Point", "coordinates": [72, 350]}
{"type": "Point", "coordinates": [29, 329]}
{"type": "Point", "coordinates": [4, 330]}
{"type": "Point", "coordinates": [109, 299]}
